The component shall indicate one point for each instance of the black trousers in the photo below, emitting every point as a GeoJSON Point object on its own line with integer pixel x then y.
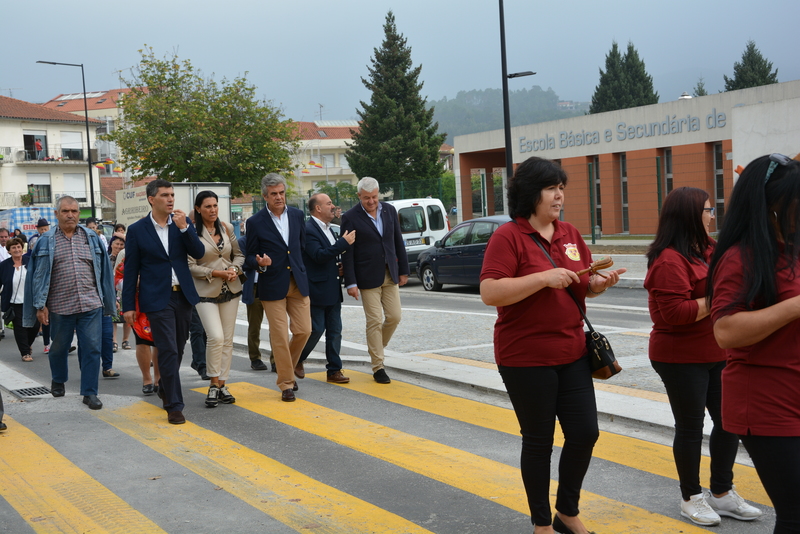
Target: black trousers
{"type": "Point", "coordinates": [539, 395]}
{"type": "Point", "coordinates": [23, 336]}
{"type": "Point", "coordinates": [170, 328]}
{"type": "Point", "coordinates": [692, 388]}
{"type": "Point", "coordinates": [777, 462]}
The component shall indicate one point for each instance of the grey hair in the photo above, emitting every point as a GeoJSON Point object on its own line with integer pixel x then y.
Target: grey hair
{"type": "Point", "coordinates": [367, 184]}
{"type": "Point", "coordinates": [270, 180]}
{"type": "Point", "coordinates": [61, 200]}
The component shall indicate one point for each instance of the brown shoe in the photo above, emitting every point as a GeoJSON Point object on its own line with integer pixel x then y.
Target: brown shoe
{"type": "Point", "coordinates": [176, 418]}
{"type": "Point", "coordinates": [299, 371]}
{"type": "Point", "coordinates": [287, 395]}
{"type": "Point", "coordinates": [338, 378]}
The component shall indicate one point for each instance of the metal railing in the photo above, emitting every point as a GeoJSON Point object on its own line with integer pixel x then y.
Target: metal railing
{"type": "Point", "coordinates": [49, 154]}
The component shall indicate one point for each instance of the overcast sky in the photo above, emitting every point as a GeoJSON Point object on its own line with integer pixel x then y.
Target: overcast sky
{"type": "Point", "coordinates": [303, 54]}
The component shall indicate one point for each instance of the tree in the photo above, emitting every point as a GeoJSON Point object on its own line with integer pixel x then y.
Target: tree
{"type": "Point", "coordinates": [180, 126]}
{"type": "Point", "coordinates": [624, 84]}
{"type": "Point", "coordinates": [752, 71]}
{"type": "Point", "coordinates": [397, 139]}
{"type": "Point", "coordinates": [341, 193]}
{"type": "Point", "coordinates": [700, 88]}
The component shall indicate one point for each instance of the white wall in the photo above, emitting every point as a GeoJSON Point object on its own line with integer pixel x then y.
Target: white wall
{"type": "Point", "coordinates": [764, 128]}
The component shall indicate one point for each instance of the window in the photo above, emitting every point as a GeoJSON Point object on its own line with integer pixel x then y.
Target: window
{"type": "Point", "coordinates": [35, 144]}
{"type": "Point", "coordinates": [719, 185]}
{"type": "Point", "coordinates": [71, 145]}
{"type": "Point", "coordinates": [623, 169]}
{"type": "Point", "coordinates": [39, 187]}
{"type": "Point", "coordinates": [481, 232]}
{"type": "Point", "coordinates": [598, 210]}
{"type": "Point", "coordinates": [343, 163]}
{"type": "Point", "coordinates": [436, 217]}
{"type": "Point", "coordinates": [458, 237]}
{"type": "Point", "coordinates": [667, 170]}
{"type": "Point", "coordinates": [412, 219]}
{"type": "Point", "coordinates": [75, 186]}
{"type": "Point", "coordinates": [327, 160]}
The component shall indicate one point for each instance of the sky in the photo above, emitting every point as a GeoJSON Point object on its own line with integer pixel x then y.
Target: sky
{"type": "Point", "coordinates": [301, 55]}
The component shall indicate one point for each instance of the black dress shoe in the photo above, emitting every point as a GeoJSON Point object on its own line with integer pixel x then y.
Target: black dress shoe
{"type": "Point", "coordinates": [92, 402]}
{"type": "Point", "coordinates": [381, 377]}
{"type": "Point", "coordinates": [57, 389]}
{"type": "Point", "coordinates": [287, 395]}
{"type": "Point", "coordinates": [147, 389]}
{"type": "Point", "coordinates": [176, 418]}
{"type": "Point", "coordinates": [3, 426]}
{"type": "Point", "coordinates": [258, 365]}
{"type": "Point", "coordinates": [295, 387]}
{"type": "Point", "coordinates": [202, 372]}
{"type": "Point", "coordinates": [560, 527]}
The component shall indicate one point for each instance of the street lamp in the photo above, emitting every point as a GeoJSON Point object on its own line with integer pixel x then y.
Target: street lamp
{"type": "Point", "coordinates": [88, 140]}
{"type": "Point", "coordinates": [506, 76]}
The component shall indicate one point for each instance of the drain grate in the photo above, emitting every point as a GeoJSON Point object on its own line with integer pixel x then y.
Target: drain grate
{"type": "Point", "coordinates": [31, 392]}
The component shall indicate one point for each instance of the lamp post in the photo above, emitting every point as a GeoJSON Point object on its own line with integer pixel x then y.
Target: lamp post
{"type": "Point", "coordinates": [88, 139]}
{"type": "Point", "coordinates": [506, 76]}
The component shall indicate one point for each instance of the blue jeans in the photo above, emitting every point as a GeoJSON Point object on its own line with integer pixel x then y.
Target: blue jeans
{"type": "Point", "coordinates": [327, 319]}
{"type": "Point", "coordinates": [107, 353]}
{"type": "Point", "coordinates": [89, 327]}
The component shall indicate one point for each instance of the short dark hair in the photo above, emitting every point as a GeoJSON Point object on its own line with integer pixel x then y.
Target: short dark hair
{"type": "Point", "coordinates": [5, 230]}
{"type": "Point", "coordinates": [525, 187]}
{"type": "Point", "coordinates": [14, 241]}
{"type": "Point", "coordinates": [152, 188]}
{"type": "Point", "coordinates": [680, 225]}
{"type": "Point", "coordinates": [91, 220]}
{"type": "Point", "coordinates": [119, 226]}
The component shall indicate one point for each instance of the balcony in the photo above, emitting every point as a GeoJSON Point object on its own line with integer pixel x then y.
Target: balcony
{"type": "Point", "coordinates": [41, 195]}
{"type": "Point", "coordinates": [51, 155]}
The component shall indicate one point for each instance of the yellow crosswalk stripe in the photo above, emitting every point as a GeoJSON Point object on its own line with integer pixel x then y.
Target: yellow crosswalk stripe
{"type": "Point", "coordinates": [479, 476]}
{"type": "Point", "coordinates": [287, 495]}
{"type": "Point", "coordinates": [53, 495]}
{"type": "Point", "coordinates": [638, 454]}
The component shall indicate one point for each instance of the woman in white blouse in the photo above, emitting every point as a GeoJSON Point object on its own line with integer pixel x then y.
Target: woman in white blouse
{"type": "Point", "coordinates": [12, 277]}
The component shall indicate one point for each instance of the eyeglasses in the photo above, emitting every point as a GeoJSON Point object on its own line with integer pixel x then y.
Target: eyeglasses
{"type": "Point", "coordinates": [711, 211]}
{"type": "Point", "coordinates": [774, 161]}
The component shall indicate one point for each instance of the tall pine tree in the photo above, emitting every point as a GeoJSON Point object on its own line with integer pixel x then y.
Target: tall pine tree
{"type": "Point", "coordinates": [754, 70]}
{"type": "Point", "coordinates": [397, 139]}
{"type": "Point", "coordinates": [624, 84]}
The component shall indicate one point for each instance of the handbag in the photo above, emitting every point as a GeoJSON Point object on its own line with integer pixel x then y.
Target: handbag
{"type": "Point", "coordinates": [8, 316]}
{"type": "Point", "coordinates": [601, 356]}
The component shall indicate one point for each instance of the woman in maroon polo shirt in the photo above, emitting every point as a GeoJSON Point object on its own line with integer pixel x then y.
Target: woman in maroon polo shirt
{"type": "Point", "coordinates": [754, 286]}
{"type": "Point", "coordinates": [539, 344]}
{"type": "Point", "coordinates": [686, 356]}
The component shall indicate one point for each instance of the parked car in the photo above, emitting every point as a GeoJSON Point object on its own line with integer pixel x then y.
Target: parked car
{"type": "Point", "coordinates": [458, 257]}
{"type": "Point", "coordinates": [423, 221]}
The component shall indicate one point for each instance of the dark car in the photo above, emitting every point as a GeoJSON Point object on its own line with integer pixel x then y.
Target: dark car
{"type": "Point", "coordinates": [458, 257]}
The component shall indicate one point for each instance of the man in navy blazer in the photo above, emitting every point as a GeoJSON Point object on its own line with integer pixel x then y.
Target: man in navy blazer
{"type": "Point", "coordinates": [276, 237]}
{"type": "Point", "coordinates": [322, 256]}
{"type": "Point", "coordinates": [377, 265]}
{"type": "Point", "coordinates": [156, 260]}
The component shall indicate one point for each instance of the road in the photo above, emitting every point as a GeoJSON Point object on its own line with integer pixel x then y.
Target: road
{"type": "Point", "coordinates": [413, 456]}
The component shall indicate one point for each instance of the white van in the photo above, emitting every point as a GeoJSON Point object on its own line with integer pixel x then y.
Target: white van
{"type": "Point", "coordinates": [423, 221]}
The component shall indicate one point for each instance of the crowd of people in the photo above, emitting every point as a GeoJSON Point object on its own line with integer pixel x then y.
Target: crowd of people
{"type": "Point", "coordinates": [725, 316]}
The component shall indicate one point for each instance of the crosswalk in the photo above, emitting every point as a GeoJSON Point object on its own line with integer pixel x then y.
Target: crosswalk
{"type": "Point", "coordinates": [358, 458]}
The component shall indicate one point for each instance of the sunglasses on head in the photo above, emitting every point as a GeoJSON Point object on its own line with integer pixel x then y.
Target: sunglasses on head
{"type": "Point", "coordinates": [774, 161]}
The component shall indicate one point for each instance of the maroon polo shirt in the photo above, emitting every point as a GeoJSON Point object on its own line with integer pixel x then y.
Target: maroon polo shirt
{"type": "Point", "coordinates": [545, 328]}
{"type": "Point", "coordinates": [761, 383]}
{"type": "Point", "coordinates": [673, 283]}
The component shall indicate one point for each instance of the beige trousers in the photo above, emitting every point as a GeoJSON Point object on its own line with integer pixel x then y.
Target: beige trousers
{"type": "Point", "coordinates": [382, 310]}
{"type": "Point", "coordinates": [285, 351]}
{"type": "Point", "coordinates": [219, 322]}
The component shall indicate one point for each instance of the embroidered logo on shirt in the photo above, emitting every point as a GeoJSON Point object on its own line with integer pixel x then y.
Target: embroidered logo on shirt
{"type": "Point", "coordinates": [571, 249]}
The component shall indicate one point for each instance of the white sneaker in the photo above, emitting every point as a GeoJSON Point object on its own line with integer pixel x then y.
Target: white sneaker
{"type": "Point", "coordinates": [697, 510]}
{"type": "Point", "coordinates": [732, 505]}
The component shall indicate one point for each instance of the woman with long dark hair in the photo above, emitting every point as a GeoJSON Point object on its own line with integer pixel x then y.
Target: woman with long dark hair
{"type": "Point", "coordinates": [539, 344]}
{"type": "Point", "coordinates": [13, 271]}
{"type": "Point", "coordinates": [754, 287]}
{"type": "Point", "coordinates": [216, 277]}
{"type": "Point", "coordinates": [686, 356]}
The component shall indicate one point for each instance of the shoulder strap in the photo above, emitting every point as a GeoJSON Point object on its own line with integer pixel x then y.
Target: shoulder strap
{"type": "Point", "coordinates": [571, 294]}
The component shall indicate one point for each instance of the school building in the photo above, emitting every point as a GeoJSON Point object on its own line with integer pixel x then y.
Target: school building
{"type": "Point", "coordinates": [621, 164]}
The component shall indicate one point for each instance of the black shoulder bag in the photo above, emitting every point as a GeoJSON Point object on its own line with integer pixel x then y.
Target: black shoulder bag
{"type": "Point", "coordinates": [601, 355]}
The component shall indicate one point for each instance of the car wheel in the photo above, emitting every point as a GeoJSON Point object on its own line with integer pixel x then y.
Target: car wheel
{"type": "Point", "coordinates": [429, 280]}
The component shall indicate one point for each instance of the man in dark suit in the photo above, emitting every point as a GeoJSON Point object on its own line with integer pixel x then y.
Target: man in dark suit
{"type": "Point", "coordinates": [276, 237]}
{"type": "Point", "coordinates": [156, 260]}
{"type": "Point", "coordinates": [255, 314]}
{"type": "Point", "coordinates": [322, 260]}
{"type": "Point", "coordinates": [377, 265]}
